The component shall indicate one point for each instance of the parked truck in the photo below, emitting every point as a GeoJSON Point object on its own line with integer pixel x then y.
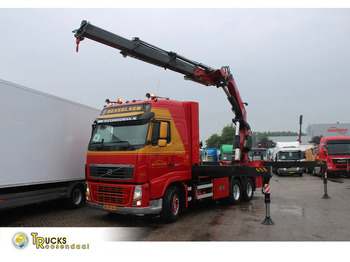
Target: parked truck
{"type": "Point", "coordinates": [143, 156]}
{"type": "Point", "coordinates": [311, 154]}
{"type": "Point", "coordinates": [44, 140]}
{"type": "Point", "coordinates": [336, 151]}
{"type": "Point", "coordinates": [211, 155]}
{"type": "Point", "coordinates": [259, 153]}
{"type": "Point", "coordinates": [289, 152]}
{"type": "Point", "coordinates": [226, 153]}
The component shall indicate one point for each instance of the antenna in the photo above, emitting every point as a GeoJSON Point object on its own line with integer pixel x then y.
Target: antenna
{"type": "Point", "coordinates": [158, 83]}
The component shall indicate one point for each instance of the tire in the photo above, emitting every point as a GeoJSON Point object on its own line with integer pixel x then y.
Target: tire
{"type": "Point", "coordinates": [235, 196]}
{"type": "Point", "coordinates": [171, 205]}
{"type": "Point", "coordinates": [77, 197]}
{"type": "Point", "coordinates": [248, 191]}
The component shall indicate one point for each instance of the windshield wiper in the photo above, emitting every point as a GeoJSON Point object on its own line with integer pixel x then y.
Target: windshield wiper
{"type": "Point", "coordinates": [127, 144]}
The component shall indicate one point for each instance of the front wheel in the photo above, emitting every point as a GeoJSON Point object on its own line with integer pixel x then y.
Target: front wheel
{"type": "Point", "coordinates": [171, 205]}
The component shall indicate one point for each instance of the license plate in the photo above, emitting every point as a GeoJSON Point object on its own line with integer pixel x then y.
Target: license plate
{"type": "Point", "coordinates": [109, 207]}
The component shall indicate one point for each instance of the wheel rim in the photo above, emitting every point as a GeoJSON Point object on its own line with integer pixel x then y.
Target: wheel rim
{"type": "Point", "coordinates": [236, 192]}
{"type": "Point", "coordinates": [175, 205]}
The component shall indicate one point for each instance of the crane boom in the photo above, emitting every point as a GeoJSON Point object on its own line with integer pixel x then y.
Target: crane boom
{"type": "Point", "coordinates": [191, 70]}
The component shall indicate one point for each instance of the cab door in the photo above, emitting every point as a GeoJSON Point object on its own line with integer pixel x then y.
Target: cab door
{"type": "Point", "coordinates": [160, 151]}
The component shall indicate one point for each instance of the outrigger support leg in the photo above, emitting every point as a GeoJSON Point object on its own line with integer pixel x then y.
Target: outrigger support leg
{"type": "Point", "coordinates": [325, 196]}
{"type": "Point", "coordinates": [266, 192]}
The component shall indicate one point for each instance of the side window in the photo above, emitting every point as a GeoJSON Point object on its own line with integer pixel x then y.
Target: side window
{"type": "Point", "coordinates": [155, 133]}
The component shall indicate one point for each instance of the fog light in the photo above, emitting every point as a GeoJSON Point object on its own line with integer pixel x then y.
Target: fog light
{"type": "Point", "coordinates": [137, 203]}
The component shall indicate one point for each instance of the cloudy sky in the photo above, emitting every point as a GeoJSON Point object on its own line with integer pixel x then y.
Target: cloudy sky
{"type": "Point", "coordinates": [286, 62]}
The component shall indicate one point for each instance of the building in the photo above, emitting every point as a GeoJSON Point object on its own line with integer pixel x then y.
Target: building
{"type": "Point", "coordinates": [304, 139]}
{"type": "Point", "coordinates": [327, 130]}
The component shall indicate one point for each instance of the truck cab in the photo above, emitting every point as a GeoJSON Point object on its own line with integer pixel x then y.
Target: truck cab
{"type": "Point", "coordinates": [311, 154]}
{"type": "Point", "coordinates": [258, 154]}
{"type": "Point", "coordinates": [136, 150]}
{"type": "Point", "coordinates": [336, 151]}
{"type": "Point", "coordinates": [292, 155]}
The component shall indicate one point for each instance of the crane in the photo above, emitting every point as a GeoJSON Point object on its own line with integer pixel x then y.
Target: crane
{"type": "Point", "coordinates": [192, 70]}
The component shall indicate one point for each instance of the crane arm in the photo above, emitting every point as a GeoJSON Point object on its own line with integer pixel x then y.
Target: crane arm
{"type": "Point", "coordinates": [191, 70]}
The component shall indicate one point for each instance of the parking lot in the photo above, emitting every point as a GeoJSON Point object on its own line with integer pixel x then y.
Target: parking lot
{"type": "Point", "coordinates": [297, 208]}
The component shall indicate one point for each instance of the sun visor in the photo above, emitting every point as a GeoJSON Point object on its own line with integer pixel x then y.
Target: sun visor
{"type": "Point", "coordinates": [125, 113]}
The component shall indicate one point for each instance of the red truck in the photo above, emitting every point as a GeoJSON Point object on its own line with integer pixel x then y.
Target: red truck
{"type": "Point", "coordinates": [336, 151]}
{"type": "Point", "coordinates": [143, 156]}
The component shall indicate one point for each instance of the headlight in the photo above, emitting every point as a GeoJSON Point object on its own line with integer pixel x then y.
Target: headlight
{"type": "Point", "coordinates": [137, 192]}
{"type": "Point", "coordinates": [329, 167]}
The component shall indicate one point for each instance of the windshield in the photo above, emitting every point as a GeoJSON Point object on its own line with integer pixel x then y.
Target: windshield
{"type": "Point", "coordinates": [257, 154]}
{"type": "Point", "coordinates": [290, 155]}
{"type": "Point", "coordinates": [339, 149]}
{"type": "Point", "coordinates": [119, 136]}
{"type": "Point", "coordinates": [227, 156]}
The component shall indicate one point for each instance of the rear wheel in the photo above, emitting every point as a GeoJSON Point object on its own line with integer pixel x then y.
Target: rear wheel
{"type": "Point", "coordinates": [235, 195]}
{"type": "Point", "coordinates": [248, 191]}
{"type": "Point", "coordinates": [171, 205]}
{"type": "Point", "coordinates": [77, 197]}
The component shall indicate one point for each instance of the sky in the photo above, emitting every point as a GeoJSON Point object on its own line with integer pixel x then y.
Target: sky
{"type": "Point", "coordinates": [286, 62]}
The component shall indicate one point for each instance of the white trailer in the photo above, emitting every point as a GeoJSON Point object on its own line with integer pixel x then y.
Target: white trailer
{"type": "Point", "coordinates": [43, 147]}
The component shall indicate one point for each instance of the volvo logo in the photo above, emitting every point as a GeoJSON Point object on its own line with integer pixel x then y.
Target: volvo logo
{"type": "Point", "coordinates": [110, 171]}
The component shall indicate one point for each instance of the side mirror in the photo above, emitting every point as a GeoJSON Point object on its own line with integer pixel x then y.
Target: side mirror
{"type": "Point", "coordinates": [247, 145]}
{"type": "Point", "coordinates": [162, 142]}
{"type": "Point", "coordinates": [236, 141]}
{"type": "Point", "coordinates": [93, 126]}
{"type": "Point", "coordinates": [163, 134]}
{"type": "Point", "coordinates": [163, 130]}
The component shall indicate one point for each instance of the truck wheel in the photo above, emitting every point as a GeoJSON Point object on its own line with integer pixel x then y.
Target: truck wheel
{"type": "Point", "coordinates": [235, 192]}
{"type": "Point", "coordinates": [248, 191]}
{"type": "Point", "coordinates": [171, 205]}
{"type": "Point", "coordinates": [77, 197]}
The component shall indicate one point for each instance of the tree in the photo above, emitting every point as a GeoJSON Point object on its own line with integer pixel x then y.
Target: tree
{"type": "Point", "coordinates": [226, 137]}
{"type": "Point", "coordinates": [227, 134]}
{"type": "Point", "coordinates": [214, 141]}
{"type": "Point", "coordinates": [266, 143]}
{"type": "Point", "coordinates": [316, 140]}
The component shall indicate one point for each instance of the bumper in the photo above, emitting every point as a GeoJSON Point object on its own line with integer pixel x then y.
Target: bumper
{"type": "Point", "coordinates": [155, 207]}
{"type": "Point", "coordinates": [289, 171]}
{"type": "Point", "coordinates": [338, 173]}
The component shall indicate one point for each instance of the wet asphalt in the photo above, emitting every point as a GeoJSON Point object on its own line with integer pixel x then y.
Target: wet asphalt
{"type": "Point", "coordinates": [297, 208]}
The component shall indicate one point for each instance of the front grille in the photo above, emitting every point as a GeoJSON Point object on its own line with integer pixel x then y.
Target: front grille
{"type": "Point", "coordinates": [115, 195]}
{"type": "Point", "coordinates": [117, 172]}
{"type": "Point", "coordinates": [340, 161]}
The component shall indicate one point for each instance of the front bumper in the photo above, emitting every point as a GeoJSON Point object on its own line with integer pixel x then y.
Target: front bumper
{"type": "Point", "coordinates": [155, 207]}
{"type": "Point", "coordinates": [290, 171]}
